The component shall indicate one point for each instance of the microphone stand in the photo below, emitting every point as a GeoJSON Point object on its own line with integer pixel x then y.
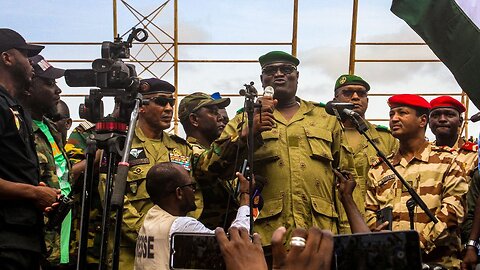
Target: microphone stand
{"type": "Point", "coordinates": [362, 127]}
{"type": "Point", "coordinates": [250, 93]}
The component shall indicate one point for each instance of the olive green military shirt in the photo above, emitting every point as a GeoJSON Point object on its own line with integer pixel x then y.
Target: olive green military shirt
{"type": "Point", "coordinates": [296, 157]}
{"type": "Point", "coordinates": [439, 179]}
{"type": "Point", "coordinates": [144, 154]}
{"type": "Point", "coordinates": [211, 196]}
{"type": "Point", "coordinates": [365, 155]}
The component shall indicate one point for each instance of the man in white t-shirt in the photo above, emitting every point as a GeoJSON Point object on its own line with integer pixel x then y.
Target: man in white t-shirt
{"type": "Point", "coordinates": [172, 190]}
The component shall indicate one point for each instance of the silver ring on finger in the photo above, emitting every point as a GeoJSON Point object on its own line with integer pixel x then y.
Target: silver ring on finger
{"type": "Point", "coordinates": [297, 241]}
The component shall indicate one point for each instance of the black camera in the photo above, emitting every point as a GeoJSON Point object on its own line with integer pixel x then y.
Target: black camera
{"type": "Point", "coordinates": [113, 78]}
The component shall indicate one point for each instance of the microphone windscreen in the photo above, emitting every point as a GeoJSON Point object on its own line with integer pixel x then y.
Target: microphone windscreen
{"type": "Point", "coordinates": [339, 106]}
{"type": "Point", "coordinates": [329, 107]}
{"type": "Point", "coordinates": [268, 91]}
{"type": "Point", "coordinates": [475, 118]}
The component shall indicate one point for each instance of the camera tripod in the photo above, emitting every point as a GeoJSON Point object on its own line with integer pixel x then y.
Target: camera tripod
{"type": "Point", "coordinates": [111, 142]}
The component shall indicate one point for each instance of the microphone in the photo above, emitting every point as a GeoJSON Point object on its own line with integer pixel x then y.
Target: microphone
{"type": "Point", "coordinates": [268, 91]}
{"type": "Point", "coordinates": [475, 118]}
{"type": "Point", "coordinates": [344, 109]}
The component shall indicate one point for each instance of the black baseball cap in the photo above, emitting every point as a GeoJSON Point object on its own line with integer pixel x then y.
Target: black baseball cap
{"type": "Point", "coordinates": [43, 69]}
{"type": "Point", "coordinates": [9, 39]}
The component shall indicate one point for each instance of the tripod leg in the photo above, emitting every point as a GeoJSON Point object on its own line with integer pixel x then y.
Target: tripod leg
{"type": "Point", "coordinates": [86, 204]}
{"type": "Point", "coordinates": [112, 160]}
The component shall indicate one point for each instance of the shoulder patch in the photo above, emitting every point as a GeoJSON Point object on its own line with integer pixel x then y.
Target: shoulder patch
{"type": "Point", "coordinates": [470, 146]}
{"type": "Point", "coordinates": [382, 128]}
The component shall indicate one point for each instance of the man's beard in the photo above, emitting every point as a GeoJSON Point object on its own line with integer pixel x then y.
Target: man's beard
{"type": "Point", "coordinates": [21, 79]}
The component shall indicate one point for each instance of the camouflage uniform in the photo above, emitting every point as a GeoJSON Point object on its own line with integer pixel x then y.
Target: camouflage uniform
{"type": "Point", "coordinates": [76, 147]}
{"type": "Point", "coordinates": [297, 158]}
{"type": "Point", "coordinates": [144, 154]}
{"type": "Point", "coordinates": [48, 175]}
{"type": "Point", "coordinates": [440, 182]}
{"type": "Point", "coordinates": [211, 198]}
{"type": "Point", "coordinates": [367, 155]}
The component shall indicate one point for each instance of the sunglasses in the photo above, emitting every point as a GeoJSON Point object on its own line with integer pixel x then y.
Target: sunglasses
{"type": "Point", "coordinates": [349, 93]}
{"type": "Point", "coordinates": [163, 101]}
{"type": "Point", "coordinates": [193, 186]}
{"type": "Point", "coordinates": [271, 70]}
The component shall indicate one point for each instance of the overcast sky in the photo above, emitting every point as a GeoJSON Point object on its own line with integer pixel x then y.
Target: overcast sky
{"type": "Point", "coordinates": [323, 43]}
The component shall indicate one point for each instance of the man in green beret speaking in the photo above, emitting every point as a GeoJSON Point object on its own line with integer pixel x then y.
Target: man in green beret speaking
{"type": "Point", "coordinates": [296, 156]}
{"type": "Point", "coordinates": [353, 89]}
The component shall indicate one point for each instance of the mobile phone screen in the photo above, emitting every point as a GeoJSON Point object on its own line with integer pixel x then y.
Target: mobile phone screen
{"type": "Point", "coordinates": [382, 250]}
{"type": "Point", "coordinates": [195, 251]}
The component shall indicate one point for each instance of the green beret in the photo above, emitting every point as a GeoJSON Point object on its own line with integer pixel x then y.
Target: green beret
{"type": "Point", "coordinates": [348, 79]}
{"type": "Point", "coordinates": [195, 101]}
{"type": "Point", "coordinates": [276, 57]}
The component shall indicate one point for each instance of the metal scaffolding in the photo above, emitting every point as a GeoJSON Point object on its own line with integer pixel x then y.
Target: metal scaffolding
{"type": "Point", "coordinates": [165, 45]}
{"type": "Point", "coordinates": [353, 60]}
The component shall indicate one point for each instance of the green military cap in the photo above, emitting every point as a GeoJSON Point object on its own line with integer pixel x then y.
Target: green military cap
{"type": "Point", "coordinates": [348, 79]}
{"type": "Point", "coordinates": [195, 101]}
{"type": "Point", "coordinates": [277, 56]}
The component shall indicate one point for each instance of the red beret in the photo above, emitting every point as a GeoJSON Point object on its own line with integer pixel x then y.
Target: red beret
{"type": "Point", "coordinates": [447, 101]}
{"type": "Point", "coordinates": [408, 100]}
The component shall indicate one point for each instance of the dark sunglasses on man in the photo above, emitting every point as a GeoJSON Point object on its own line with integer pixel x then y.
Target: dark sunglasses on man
{"type": "Point", "coordinates": [162, 101]}
{"type": "Point", "coordinates": [285, 69]}
{"type": "Point", "coordinates": [349, 93]}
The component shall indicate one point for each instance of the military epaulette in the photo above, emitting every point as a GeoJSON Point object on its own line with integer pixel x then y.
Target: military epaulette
{"type": "Point", "coordinates": [470, 146]}
{"type": "Point", "coordinates": [178, 139]}
{"type": "Point", "coordinates": [86, 125]}
{"type": "Point", "coordinates": [241, 110]}
{"type": "Point", "coordinates": [443, 148]}
{"type": "Point", "coordinates": [382, 128]}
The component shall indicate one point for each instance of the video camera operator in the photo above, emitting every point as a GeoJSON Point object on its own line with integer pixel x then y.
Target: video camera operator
{"type": "Point", "coordinates": [172, 190]}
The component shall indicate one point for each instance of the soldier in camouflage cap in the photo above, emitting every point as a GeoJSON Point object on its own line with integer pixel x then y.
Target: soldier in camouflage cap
{"type": "Point", "coordinates": [353, 89]}
{"type": "Point", "coordinates": [198, 113]}
{"type": "Point", "coordinates": [435, 175]}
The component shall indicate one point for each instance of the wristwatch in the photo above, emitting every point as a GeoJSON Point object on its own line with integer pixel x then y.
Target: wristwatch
{"type": "Point", "coordinates": [472, 243]}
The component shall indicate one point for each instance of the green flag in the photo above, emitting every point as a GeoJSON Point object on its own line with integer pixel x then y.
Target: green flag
{"type": "Point", "coordinates": [450, 29]}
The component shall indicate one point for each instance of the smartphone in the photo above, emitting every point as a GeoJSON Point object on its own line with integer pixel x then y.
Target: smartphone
{"type": "Point", "coordinates": [381, 250]}
{"type": "Point", "coordinates": [195, 251]}
{"type": "Point", "coordinates": [385, 214]}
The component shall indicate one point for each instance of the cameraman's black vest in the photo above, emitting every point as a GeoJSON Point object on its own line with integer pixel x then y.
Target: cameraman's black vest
{"type": "Point", "coordinates": [21, 223]}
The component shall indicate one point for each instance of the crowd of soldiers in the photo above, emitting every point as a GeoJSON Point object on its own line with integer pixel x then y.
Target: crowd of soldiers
{"type": "Point", "coordinates": [313, 169]}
